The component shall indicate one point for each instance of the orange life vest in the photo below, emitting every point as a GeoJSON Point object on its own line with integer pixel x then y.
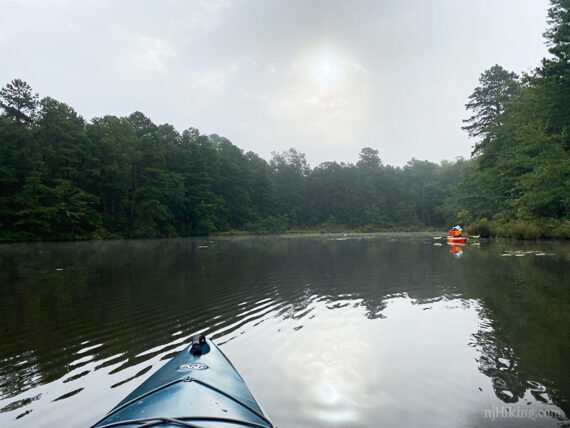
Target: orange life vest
{"type": "Point", "coordinates": [455, 232]}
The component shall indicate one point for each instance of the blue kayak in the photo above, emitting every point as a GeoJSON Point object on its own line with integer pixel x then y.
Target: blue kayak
{"type": "Point", "coordinates": [199, 387]}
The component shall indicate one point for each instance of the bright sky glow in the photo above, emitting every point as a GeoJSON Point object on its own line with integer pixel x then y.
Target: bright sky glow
{"type": "Point", "coordinates": [327, 68]}
{"type": "Point", "coordinates": [327, 77]}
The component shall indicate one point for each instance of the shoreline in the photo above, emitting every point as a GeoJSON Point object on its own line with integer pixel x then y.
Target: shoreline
{"type": "Point", "coordinates": [516, 231]}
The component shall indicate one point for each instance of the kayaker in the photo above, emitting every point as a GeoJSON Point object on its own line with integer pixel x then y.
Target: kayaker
{"type": "Point", "coordinates": [456, 231]}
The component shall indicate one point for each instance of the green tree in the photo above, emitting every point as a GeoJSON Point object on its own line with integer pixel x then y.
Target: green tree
{"type": "Point", "coordinates": [114, 142]}
{"type": "Point", "coordinates": [19, 102]}
{"type": "Point", "coordinates": [18, 155]}
{"type": "Point", "coordinates": [368, 158]}
{"type": "Point", "coordinates": [290, 170]}
{"type": "Point", "coordinates": [262, 187]}
{"type": "Point", "coordinates": [56, 194]}
{"type": "Point", "coordinates": [487, 102]}
{"type": "Point", "coordinates": [234, 185]}
{"type": "Point", "coordinates": [553, 77]}
{"type": "Point", "coordinates": [198, 161]}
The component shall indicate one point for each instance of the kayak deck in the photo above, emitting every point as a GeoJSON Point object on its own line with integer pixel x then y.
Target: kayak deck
{"type": "Point", "coordinates": [197, 390]}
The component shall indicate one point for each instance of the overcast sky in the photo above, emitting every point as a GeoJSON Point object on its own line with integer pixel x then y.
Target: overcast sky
{"type": "Point", "coordinates": [327, 77]}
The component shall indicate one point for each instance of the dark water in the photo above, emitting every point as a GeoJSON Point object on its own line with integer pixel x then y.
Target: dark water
{"type": "Point", "coordinates": [328, 331]}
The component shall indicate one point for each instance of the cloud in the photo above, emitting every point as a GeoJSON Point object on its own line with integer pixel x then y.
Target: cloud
{"type": "Point", "coordinates": [152, 53]}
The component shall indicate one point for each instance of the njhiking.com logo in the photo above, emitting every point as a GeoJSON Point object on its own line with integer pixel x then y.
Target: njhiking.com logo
{"type": "Point", "coordinates": [521, 412]}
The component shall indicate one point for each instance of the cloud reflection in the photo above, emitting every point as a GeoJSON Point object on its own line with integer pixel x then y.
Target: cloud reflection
{"type": "Point", "coordinates": [332, 368]}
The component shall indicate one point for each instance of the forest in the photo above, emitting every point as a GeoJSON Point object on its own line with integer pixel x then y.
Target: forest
{"type": "Point", "coordinates": [62, 177]}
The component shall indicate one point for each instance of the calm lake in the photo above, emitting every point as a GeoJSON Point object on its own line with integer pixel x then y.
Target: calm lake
{"type": "Point", "coordinates": [383, 330]}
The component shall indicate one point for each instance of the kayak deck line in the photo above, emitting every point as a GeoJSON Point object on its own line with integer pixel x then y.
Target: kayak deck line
{"type": "Point", "coordinates": [178, 420]}
{"type": "Point", "coordinates": [182, 421]}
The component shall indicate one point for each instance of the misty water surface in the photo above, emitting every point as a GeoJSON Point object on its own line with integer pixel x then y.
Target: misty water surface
{"type": "Point", "coordinates": [327, 331]}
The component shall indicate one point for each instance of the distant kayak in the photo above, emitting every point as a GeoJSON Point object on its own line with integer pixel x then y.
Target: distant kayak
{"type": "Point", "coordinates": [198, 388]}
{"type": "Point", "coordinates": [456, 240]}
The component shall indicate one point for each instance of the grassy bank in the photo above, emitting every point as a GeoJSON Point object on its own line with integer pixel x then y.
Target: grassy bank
{"type": "Point", "coordinates": [521, 229]}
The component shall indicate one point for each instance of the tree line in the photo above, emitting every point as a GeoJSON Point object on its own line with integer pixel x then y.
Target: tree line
{"type": "Point", "coordinates": [62, 177]}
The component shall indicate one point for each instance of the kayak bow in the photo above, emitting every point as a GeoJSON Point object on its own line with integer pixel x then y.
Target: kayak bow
{"type": "Point", "coordinates": [198, 388]}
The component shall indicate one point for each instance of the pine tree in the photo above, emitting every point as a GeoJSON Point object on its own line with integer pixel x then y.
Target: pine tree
{"type": "Point", "coordinates": [19, 102]}
{"type": "Point", "coordinates": [497, 86]}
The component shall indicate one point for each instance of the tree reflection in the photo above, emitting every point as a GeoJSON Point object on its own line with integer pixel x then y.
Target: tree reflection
{"type": "Point", "coordinates": [498, 362]}
{"type": "Point", "coordinates": [524, 339]}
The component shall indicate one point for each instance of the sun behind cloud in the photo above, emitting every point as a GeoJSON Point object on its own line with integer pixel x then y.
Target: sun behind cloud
{"type": "Point", "coordinates": [324, 96]}
{"type": "Point", "coordinates": [327, 67]}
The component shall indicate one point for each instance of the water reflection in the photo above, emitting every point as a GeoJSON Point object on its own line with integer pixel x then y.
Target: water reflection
{"type": "Point", "coordinates": [357, 369]}
{"type": "Point", "coordinates": [456, 250]}
{"type": "Point", "coordinates": [327, 331]}
{"type": "Point", "coordinates": [527, 336]}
